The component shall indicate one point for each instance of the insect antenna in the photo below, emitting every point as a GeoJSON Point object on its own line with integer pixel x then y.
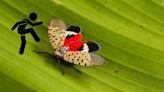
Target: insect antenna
{"type": "Point", "coordinates": [77, 70]}
{"type": "Point", "coordinates": [42, 52]}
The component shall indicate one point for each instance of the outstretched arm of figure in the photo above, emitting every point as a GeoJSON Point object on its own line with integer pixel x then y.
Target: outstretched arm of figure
{"type": "Point", "coordinates": [17, 24]}
{"type": "Point", "coordinates": [38, 23]}
{"type": "Point", "coordinates": [33, 24]}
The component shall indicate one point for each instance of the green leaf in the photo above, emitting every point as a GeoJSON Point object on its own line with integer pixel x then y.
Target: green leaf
{"type": "Point", "coordinates": [130, 32]}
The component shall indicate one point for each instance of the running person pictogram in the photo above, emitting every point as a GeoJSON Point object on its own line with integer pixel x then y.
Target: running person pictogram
{"type": "Point", "coordinates": [22, 30]}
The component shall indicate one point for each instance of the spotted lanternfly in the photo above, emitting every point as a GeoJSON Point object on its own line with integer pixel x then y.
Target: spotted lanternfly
{"type": "Point", "coordinates": [69, 46]}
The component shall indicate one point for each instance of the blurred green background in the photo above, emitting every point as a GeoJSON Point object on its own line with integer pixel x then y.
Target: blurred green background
{"type": "Point", "coordinates": [130, 32]}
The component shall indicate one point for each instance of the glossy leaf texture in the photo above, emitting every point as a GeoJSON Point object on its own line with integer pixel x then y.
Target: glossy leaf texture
{"type": "Point", "coordinates": [130, 32]}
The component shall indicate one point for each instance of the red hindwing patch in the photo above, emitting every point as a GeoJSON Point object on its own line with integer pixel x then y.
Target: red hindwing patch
{"type": "Point", "coordinates": [74, 42]}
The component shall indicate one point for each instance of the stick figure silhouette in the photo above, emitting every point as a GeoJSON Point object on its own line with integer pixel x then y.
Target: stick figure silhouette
{"type": "Point", "coordinates": [22, 31]}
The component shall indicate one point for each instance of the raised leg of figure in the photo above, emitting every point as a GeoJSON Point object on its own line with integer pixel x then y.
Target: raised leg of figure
{"type": "Point", "coordinates": [30, 30]}
{"type": "Point", "coordinates": [23, 40]}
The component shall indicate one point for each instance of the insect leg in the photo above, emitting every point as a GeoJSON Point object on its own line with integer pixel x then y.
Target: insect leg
{"type": "Point", "coordinates": [61, 67]}
{"type": "Point", "coordinates": [77, 70]}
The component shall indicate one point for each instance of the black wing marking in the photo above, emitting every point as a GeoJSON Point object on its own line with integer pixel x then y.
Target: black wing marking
{"type": "Point", "coordinates": [89, 47]}
{"type": "Point", "coordinates": [74, 28]}
{"type": "Point", "coordinates": [81, 48]}
{"type": "Point", "coordinates": [93, 46]}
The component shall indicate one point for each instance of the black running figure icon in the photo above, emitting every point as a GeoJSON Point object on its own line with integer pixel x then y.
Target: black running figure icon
{"type": "Point", "coordinates": [22, 31]}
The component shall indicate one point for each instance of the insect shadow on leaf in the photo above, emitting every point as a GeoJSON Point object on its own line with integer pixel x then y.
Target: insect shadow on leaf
{"type": "Point", "coordinates": [60, 61]}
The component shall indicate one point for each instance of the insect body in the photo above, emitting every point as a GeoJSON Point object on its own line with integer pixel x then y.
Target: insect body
{"type": "Point", "coordinates": [69, 44]}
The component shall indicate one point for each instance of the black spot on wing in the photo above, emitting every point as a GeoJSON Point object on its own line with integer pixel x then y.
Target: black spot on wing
{"type": "Point", "coordinates": [74, 28]}
{"type": "Point", "coordinates": [92, 46]}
